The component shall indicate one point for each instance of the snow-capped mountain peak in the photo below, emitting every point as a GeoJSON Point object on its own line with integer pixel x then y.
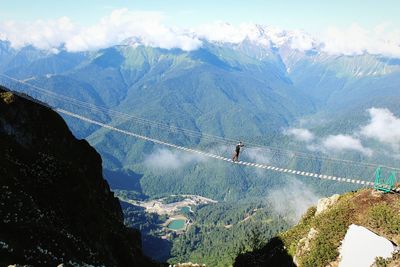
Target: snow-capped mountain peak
{"type": "Point", "coordinates": [267, 36]}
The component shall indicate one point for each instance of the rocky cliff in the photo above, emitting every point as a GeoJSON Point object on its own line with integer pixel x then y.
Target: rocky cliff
{"type": "Point", "coordinates": [55, 206]}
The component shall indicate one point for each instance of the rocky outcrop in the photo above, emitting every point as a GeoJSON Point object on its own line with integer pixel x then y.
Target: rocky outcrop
{"type": "Point", "coordinates": [55, 206]}
{"type": "Point", "coordinates": [304, 244]}
{"type": "Point", "coordinates": [326, 203]}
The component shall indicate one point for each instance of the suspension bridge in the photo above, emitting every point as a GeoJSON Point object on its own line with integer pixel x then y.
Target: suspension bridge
{"type": "Point", "coordinates": [24, 87]}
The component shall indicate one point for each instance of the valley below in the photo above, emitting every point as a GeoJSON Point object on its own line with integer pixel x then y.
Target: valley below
{"type": "Point", "coordinates": [171, 223]}
{"type": "Point", "coordinates": [168, 205]}
{"type": "Point", "coordinates": [175, 210]}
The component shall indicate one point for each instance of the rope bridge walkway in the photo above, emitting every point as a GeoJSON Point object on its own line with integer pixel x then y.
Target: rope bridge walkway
{"type": "Point", "coordinates": [356, 181]}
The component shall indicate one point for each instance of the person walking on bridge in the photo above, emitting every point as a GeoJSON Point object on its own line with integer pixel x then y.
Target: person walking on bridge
{"type": "Point", "coordinates": [235, 156]}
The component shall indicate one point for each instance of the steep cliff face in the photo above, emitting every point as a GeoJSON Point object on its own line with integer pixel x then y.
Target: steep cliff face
{"type": "Point", "coordinates": [317, 240]}
{"type": "Point", "coordinates": [55, 206]}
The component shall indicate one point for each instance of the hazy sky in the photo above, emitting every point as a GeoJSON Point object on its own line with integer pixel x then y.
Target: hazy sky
{"type": "Point", "coordinates": [310, 15]}
{"type": "Point", "coordinates": [349, 27]}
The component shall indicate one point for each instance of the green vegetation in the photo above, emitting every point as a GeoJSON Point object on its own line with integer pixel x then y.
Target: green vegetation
{"type": "Point", "coordinates": [128, 194]}
{"type": "Point", "coordinates": [385, 218]}
{"type": "Point", "coordinates": [217, 234]}
{"type": "Point", "coordinates": [222, 231]}
{"type": "Point", "coordinates": [392, 262]}
{"type": "Point", "coordinates": [136, 217]}
{"type": "Point", "coordinates": [331, 228]}
{"type": "Point", "coordinates": [293, 235]}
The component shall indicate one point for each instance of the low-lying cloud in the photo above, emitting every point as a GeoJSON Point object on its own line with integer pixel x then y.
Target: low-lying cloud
{"type": "Point", "coordinates": [258, 155]}
{"type": "Point", "coordinates": [355, 40]}
{"type": "Point", "coordinates": [300, 134]}
{"type": "Point", "coordinates": [169, 160]}
{"type": "Point", "coordinates": [292, 200]}
{"type": "Point", "coordinates": [340, 143]}
{"type": "Point", "coordinates": [384, 126]}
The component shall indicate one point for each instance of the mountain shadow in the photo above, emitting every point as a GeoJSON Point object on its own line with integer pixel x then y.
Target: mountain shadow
{"type": "Point", "coordinates": [123, 180]}
{"type": "Point", "coordinates": [272, 254]}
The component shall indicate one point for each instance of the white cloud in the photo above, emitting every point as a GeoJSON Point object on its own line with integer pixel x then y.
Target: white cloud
{"type": "Point", "coordinates": [355, 40]}
{"type": "Point", "coordinates": [258, 155]}
{"type": "Point", "coordinates": [302, 41]}
{"type": "Point", "coordinates": [300, 134]}
{"type": "Point", "coordinates": [149, 28]}
{"type": "Point", "coordinates": [227, 33]}
{"type": "Point", "coordinates": [222, 32]}
{"type": "Point", "coordinates": [292, 200]}
{"type": "Point", "coordinates": [384, 126]}
{"type": "Point", "coordinates": [166, 159]}
{"type": "Point", "coordinates": [339, 143]}
{"type": "Point", "coordinates": [260, 34]}
{"type": "Point", "coordinates": [121, 24]}
{"type": "Point", "coordinates": [42, 34]}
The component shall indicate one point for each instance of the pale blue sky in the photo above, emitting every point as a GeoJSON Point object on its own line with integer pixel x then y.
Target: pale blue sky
{"type": "Point", "coordinates": [310, 15]}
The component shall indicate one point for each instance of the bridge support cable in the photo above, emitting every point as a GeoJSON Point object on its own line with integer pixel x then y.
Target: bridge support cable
{"type": "Point", "coordinates": [91, 108]}
{"type": "Point", "coordinates": [211, 155]}
{"type": "Point", "coordinates": [339, 177]}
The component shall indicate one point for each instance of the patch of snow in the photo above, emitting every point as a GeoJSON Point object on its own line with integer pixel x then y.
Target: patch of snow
{"type": "Point", "coordinates": [360, 247]}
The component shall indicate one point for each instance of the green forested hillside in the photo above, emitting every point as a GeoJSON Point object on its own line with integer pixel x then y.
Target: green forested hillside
{"type": "Point", "coordinates": [216, 90]}
{"type": "Point", "coordinates": [244, 91]}
{"type": "Point", "coordinates": [221, 231]}
{"type": "Point", "coordinates": [218, 232]}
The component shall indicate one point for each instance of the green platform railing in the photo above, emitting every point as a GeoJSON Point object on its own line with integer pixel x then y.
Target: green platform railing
{"type": "Point", "coordinates": [384, 184]}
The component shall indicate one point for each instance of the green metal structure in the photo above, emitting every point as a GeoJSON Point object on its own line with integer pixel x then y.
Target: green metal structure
{"type": "Point", "coordinates": [382, 184]}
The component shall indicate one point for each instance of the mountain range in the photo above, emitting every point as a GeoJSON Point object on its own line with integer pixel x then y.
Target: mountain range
{"type": "Point", "coordinates": [251, 89]}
